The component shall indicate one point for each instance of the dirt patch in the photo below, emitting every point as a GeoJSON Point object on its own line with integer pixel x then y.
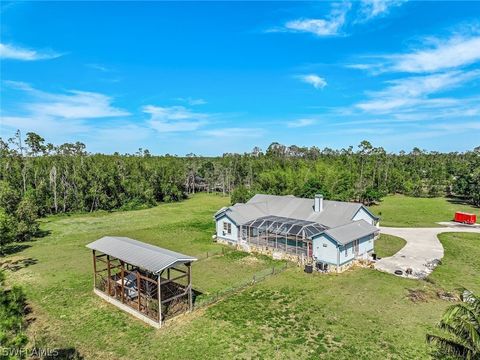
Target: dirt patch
{"type": "Point", "coordinates": [418, 295]}
{"type": "Point", "coordinates": [447, 296]}
{"type": "Point", "coordinates": [249, 260]}
{"type": "Point", "coordinates": [16, 264]}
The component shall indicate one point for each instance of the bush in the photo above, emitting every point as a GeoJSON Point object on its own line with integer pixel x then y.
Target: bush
{"type": "Point", "coordinates": [12, 321]}
{"type": "Point", "coordinates": [240, 195]}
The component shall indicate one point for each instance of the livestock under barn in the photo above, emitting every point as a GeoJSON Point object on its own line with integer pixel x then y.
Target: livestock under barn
{"type": "Point", "coordinates": [149, 282]}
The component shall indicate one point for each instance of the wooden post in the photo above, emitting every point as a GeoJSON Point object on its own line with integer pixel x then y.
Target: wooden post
{"type": "Point", "coordinates": [123, 281]}
{"type": "Point", "coordinates": [138, 290]}
{"type": "Point", "coordinates": [168, 273]}
{"type": "Point", "coordinates": [109, 286]}
{"type": "Point", "coordinates": [159, 301]}
{"type": "Point", "coordinates": [190, 298]}
{"type": "Point", "coordinates": [94, 269]}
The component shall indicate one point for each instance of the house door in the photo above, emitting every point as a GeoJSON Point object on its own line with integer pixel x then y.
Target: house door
{"type": "Point", "coordinates": [309, 249]}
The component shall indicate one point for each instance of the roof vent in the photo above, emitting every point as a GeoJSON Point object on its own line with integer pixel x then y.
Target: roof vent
{"type": "Point", "coordinates": [318, 204]}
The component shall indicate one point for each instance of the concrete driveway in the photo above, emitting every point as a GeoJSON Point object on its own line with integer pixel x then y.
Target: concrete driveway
{"type": "Point", "coordinates": [422, 251]}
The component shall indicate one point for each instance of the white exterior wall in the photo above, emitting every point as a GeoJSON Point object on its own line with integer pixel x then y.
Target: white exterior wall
{"type": "Point", "coordinates": [325, 249]}
{"type": "Point", "coordinates": [362, 214]}
{"type": "Point", "coordinates": [233, 236]}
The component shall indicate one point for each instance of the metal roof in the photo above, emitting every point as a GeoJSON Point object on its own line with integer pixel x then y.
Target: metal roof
{"type": "Point", "coordinates": [149, 257]}
{"type": "Point", "coordinates": [334, 213]}
{"type": "Point", "coordinates": [286, 226]}
{"type": "Point", "coordinates": [355, 230]}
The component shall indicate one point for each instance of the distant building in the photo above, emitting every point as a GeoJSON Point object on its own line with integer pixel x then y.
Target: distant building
{"type": "Point", "coordinates": [332, 234]}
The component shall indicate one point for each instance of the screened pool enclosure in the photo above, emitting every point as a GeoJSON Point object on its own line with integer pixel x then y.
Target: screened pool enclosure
{"type": "Point", "coordinates": [291, 236]}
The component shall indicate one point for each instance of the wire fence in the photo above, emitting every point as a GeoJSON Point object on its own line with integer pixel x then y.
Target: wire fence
{"type": "Point", "coordinates": [257, 277]}
{"type": "Point", "coordinates": [210, 254]}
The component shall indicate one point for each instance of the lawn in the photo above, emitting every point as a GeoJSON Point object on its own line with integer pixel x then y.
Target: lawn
{"type": "Point", "coordinates": [292, 314]}
{"type": "Point", "coordinates": [460, 267]}
{"type": "Point", "coordinates": [404, 211]}
{"type": "Point", "coordinates": [388, 245]}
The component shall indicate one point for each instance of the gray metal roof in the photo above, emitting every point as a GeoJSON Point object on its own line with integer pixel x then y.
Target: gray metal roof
{"type": "Point", "coordinates": [355, 230]}
{"type": "Point", "coordinates": [149, 257]}
{"type": "Point", "coordinates": [334, 213]}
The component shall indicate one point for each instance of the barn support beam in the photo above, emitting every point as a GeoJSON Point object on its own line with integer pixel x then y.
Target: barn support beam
{"type": "Point", "coordinates": [94, 269]}
{"type": "Point", "coordinates": [109, 279]}
{"type": "Point", "coordinates": [190, 297]}
{"type": "Point", "coordinates": [159, 300]}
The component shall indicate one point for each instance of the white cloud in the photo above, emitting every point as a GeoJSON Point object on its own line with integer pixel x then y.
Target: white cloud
{"type": "Point", "coordinates": [44, 125]}
{"type": "Point", "coordinates": [332, 25]}
{"type": "Point", "coordinates": [316, 81]}
{"type": "Point", "coordinates": [235, 132]}
{"type": "Point", "coordinates": [435, 55]}
{"type": "Point", "coordinates": [76, 105]}
{"type": "Point", "coordinates": [453, 53]}
{"type": "Point", "coordinates": [191, 101]}
{"type": "Point", "coordinates": [57, 114]}
{"type": "Point", "coordinates": [370, 9]}
{"type": "Point", "coordinates": [300, 123]}
{"type": "Point", "coordinates": [73, 104]}
{"type": "Point", "coordinates": [174, 118]}
{"type": "Point", "coordinates": [8, 51]}
{"type": "Point", "coordinates": [98, 67]}
{"type": "Point", "coordinates": [414, 91]}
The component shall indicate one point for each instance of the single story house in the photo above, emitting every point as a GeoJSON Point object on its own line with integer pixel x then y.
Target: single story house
{"type": "Point", "coordinates": [332, 234]}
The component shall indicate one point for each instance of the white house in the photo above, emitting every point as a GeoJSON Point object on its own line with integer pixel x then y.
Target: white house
{"type": "Point", "coordinates": [333, 234]}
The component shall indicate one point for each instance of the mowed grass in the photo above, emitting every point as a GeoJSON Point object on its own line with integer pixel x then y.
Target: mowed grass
{"type": "Point", "coordinates": [388, 245]}
{"type": "Point", "coordinates": [293, 314]}
{"type": "Point", "coordinates": [404, 211]}
{"type": "Point", "coordinates": [460, 267]}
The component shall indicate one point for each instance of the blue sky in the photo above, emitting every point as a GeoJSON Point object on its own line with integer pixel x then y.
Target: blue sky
{"type": "Point", "coordinates": [215, 77]}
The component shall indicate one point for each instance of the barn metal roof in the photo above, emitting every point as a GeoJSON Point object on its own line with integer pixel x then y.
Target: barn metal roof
{"type": "Point", "coordinates": [149, 257]}
{"type": "Point", "coordinates": [287, 226]}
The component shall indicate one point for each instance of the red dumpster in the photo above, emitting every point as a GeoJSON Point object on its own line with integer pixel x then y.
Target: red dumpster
{"type": "Point", "coordinates": [465, 218]}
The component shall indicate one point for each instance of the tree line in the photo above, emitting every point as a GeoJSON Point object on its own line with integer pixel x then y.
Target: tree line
{"type": "Point", "coordinates": [39, 178]}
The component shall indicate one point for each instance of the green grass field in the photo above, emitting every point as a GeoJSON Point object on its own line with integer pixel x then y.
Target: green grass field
{"type": "Point", "coordinates": [388, 245]}
{"type": "Point", "coordinates": [460, 266]}
{"type": "Point", "coordinates": [292, 314]}
{"type": "Point", "coordinates": [404, 211]}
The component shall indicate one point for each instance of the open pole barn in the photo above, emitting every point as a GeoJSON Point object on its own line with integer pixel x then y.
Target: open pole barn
{"type": "Point", "coordinates": [149, 282]}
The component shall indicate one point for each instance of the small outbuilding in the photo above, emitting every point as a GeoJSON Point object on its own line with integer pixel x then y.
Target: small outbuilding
{"type": "Point", "coordinates": [147, 281]}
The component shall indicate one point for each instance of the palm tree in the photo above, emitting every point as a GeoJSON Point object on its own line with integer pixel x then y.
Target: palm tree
{"type": "Point", "coordinates": [460, 327]}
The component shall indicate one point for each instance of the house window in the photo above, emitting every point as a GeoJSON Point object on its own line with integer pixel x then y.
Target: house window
{"type": "Point", "coordinates": [346, 250]}
{"type": "Point", "coordinates": [227, 228]}
{"type": "Point", "coordinates": [324, 245]}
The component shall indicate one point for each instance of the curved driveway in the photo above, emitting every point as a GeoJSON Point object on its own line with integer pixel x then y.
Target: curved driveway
{"type": "Point", "coordinates": [422, 251]}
